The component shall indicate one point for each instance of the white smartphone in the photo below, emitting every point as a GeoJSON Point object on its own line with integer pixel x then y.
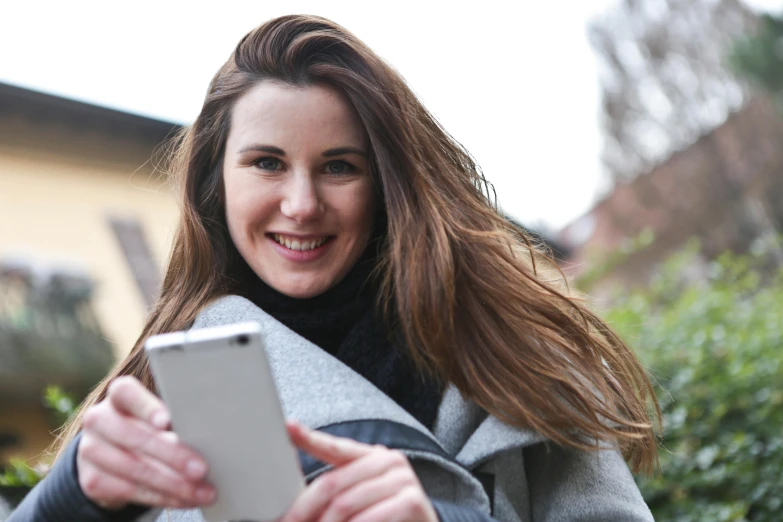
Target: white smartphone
{"type": "Point", "coordinates": [218, 387]}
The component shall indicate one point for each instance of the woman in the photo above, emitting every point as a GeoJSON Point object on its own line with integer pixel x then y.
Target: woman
{"type": "Point", "coordinates": [405, 319]}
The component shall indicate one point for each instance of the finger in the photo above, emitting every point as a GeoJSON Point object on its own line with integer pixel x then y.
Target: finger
{"type": "Point", "coordinates": [145, 472]}
{"type": "Point", "coordinates": [129, 396]}
{"type": "Point", "coordinates": [318, 495]}
{"type": "Point", "coordinates": [367, 493]}
{"type": "Point", "coordinates": [136, 436]}
{"type": "Point", "coordinates": [409, 504]}
{"type": "Point", "coordinates": [113, 492]}
{"type": "Point", "coordinates": [324, 447]}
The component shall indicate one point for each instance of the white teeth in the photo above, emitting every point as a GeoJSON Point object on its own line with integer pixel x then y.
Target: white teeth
{"type": "Point", "coordinates": [296, 244]}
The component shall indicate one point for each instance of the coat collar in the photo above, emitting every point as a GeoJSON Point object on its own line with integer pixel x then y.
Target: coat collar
{"type": "Point", "coordinates": [319, 390]}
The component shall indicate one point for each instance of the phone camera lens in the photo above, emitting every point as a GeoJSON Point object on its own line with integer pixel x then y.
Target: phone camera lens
{"type": "Point", "coordinates": [243, 339]}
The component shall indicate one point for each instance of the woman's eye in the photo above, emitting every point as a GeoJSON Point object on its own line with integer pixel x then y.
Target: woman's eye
{"type": "Point", "coordinates": [338, 167]}
{"type": "Point", "coordinates": [268, 163]}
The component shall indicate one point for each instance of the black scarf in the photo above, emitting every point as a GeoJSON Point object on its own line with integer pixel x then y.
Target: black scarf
{"type": "Point", "coordinates": [345, 322]}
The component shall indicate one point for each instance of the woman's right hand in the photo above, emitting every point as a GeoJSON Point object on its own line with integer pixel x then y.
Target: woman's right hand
{"type": "Point", "coordinates": [127, 455]}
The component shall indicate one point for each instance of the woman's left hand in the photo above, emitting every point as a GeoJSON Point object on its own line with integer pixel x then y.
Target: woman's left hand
{"type": "Point", "coordinates": [367, 484]}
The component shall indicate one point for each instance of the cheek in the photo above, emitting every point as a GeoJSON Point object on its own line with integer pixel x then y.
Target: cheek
{"type": "Point", "coordinates": [234, 210]}
{"type": "Point", "coordinates": [360, 211]}
{"type": "Point", "coordinates": [246, 206]}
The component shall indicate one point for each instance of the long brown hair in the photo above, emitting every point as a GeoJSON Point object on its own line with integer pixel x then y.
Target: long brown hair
{"type": "Point", "coordinates": [465, 283]}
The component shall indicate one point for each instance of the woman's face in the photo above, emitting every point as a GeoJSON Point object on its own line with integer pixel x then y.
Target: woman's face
{"type": "Point", "coordinates": [299, 196]}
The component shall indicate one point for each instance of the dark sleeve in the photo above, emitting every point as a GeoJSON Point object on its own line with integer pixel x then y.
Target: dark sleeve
{"type": "Point", "coordinates": [58, 497]}
{"type": "Point", "coordinates": [448, 512]}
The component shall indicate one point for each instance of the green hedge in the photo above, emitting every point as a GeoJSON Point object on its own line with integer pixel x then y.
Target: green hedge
{"type": "Point", "coordinates": [18, 475]}
{"type": "Point", "coordinates": [715, 348]}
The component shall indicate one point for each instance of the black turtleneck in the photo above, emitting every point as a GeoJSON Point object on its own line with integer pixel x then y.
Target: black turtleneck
{"type": "Point", "coordinates": [345, 322]}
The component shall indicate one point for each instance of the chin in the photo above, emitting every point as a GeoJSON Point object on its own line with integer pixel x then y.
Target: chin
{"type": "Point", "coordinates": [303, 290]}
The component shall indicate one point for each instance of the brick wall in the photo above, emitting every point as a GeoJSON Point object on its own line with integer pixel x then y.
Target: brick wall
{"type": "Point", "coordinates": [726, 189]}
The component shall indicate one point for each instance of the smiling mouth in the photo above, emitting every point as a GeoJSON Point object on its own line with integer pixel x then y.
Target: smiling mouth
{"type": "Point", "coordinates": [299, 244]}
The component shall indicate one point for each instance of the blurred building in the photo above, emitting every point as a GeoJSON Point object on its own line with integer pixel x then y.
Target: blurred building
{"type": "Point", "coordinates": [726, 189]}
{"type": "Point", "coordinates": [85, 221]}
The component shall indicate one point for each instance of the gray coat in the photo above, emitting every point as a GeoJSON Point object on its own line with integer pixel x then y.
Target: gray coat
{"type": "Point", "coordinates": [469, 458]}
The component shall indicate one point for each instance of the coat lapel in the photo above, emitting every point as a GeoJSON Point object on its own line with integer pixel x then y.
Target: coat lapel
{"type": "Point", "coordinates": [322, 392]}
{"type": "Point", "coordinates": [471, 435]}
{"type": "Point", "coordinates": [314, 387]}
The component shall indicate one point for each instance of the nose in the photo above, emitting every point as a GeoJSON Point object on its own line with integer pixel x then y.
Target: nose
{"type": "Point", "coordinates": [301, 202]}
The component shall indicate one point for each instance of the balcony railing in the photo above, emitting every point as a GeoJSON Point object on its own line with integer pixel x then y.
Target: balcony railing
{"type": "Point", "coordinates": [48, 332]}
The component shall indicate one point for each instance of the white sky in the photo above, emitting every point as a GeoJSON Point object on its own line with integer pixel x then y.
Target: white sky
{"type": "Point", "coordinates": [513, 80]}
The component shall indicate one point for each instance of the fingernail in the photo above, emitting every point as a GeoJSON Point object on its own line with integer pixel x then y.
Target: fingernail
{"type": "Point", "coordinates": [160, 420]}
{"type": "Point", "coordinates": [195, 468]}
{"type": "Point", "coordinates": [205, 495]}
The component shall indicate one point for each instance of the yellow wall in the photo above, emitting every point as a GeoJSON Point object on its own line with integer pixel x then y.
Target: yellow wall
{"type": "Point", "coordinates": [58, 186]}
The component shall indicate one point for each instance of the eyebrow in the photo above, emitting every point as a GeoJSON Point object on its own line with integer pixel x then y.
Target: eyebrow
{"type": "Point", "coordinates": [344, 150]}
{"type": "Point", "coordinates": [264, 148]}
{"type": "Point", "coordinates": [271, 149]}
